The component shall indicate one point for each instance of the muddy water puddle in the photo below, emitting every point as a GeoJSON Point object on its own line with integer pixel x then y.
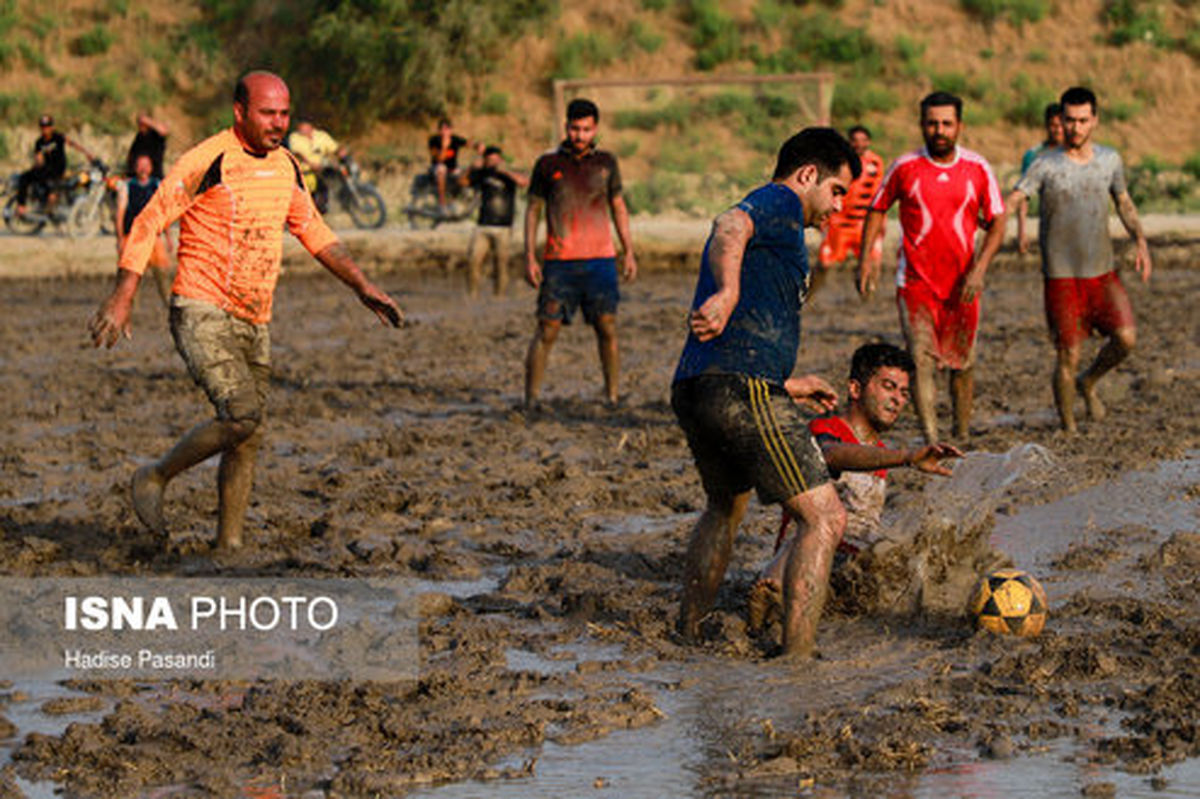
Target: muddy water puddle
{"type": "Point", "coordinates": [708, 701]}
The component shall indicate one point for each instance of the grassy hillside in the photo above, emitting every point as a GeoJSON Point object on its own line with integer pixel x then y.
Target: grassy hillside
{"type": "Point", "coordinates": [378, 73]}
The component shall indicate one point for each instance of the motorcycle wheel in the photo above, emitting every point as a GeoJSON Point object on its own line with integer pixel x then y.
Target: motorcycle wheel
{"type": "Point", "coordinates": [84, 218]}
{"type": "Point", "coordinates": [108, 214]}
{"type": "Point", "coordinates": [366, 208]}
{"type": "Point", "coordinates": [18, 224]}
{"type": "Point", "coordinates": [422, 210]}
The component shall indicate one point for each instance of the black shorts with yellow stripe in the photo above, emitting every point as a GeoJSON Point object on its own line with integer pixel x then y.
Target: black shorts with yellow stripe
{"type": "Point", "coordinates": [747, 433]}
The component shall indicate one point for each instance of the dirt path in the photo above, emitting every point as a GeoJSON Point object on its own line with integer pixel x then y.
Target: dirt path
{"type": "Point", "coordinates": [401, 453]}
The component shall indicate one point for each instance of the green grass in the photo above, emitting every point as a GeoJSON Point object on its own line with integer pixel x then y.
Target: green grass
{"type": "Point", "coordinates": [1015, 12]}
{"type": "Point", "coordinates": [644, 36]}
{"type": "Point", "coordinates": [1191, 166]}
{"type": "Point", "coordinates": [715, 35]}
{"type": "Point", "coordinates": [856, 98]}
{"type": "Point", "coordinates": [1029, 101]}
{"type": "Point", "coordinates": [94, 42]}
{"type": "Point", "coordinates": [34, 59]}
{"type": "Point", "coordinates": [1134, 21]}
{"type": "Point", "coordinates": [495, 103]}
{"type": "Point", "coordinates": [577, 55]}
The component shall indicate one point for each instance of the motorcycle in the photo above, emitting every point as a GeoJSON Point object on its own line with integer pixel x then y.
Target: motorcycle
{"type": "Point", "coordinates": [53, 204]}
{"type": "Point", "coordinates": [423, 210]}
{"type": "Point", "coordinates": [95, 211]}
{"type": "Point", "coordinates": [344, 186]}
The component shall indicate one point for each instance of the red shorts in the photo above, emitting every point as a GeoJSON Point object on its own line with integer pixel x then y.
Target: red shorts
{"type": "Point", "coordinates": [943, 328]}
{"type": "Point", "coordinates": [1076, 305]}
{"type": "Point", "coordinates": [843, 240]}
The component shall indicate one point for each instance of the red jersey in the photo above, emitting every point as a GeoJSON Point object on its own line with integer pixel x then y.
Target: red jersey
{"type": "Point", "coordinates": [941, 206]}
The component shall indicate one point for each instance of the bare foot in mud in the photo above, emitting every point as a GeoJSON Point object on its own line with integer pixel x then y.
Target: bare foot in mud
{"type": "Point", "coordinates": [147, 493]}
{"type": "Point", "coordinates": [1091, 398]}
{"type": "Point", "coordinates": [764, 604]}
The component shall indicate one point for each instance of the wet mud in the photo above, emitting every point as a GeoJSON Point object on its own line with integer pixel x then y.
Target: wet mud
{"type": "Point", "coordinates": [403, 453]}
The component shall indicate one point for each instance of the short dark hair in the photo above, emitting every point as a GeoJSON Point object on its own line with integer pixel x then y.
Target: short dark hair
{"type": "Point", "coordinates": [1053, 110]}
{"type": "Point", "coordinates": [580, 108]}
{"type": "Point", "coordinates": [241, 92]}
{"type": "Point", "coordinates": [491, 149]}
{"type": "Point", "coordinates": [824, 148]}
{"type": "Point", "coordinates": [870, 358]}
{"type": "Point", "coordinates": [937, 99]}
{"type": "Point", "coordinates": [1078, 95]}
{"type": "Point", "coordinates": [444, 123]}
{"type": "Point", "coordinates": [858, 129]}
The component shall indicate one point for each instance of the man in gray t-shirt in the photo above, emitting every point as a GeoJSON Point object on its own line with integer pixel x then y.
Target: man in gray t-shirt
{"type": "Point", "coordinates": [1082, 290]}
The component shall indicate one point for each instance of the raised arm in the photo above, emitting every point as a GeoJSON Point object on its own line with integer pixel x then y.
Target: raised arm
{"type": "Point", "coordinates": [732, 231]}
{"type": "Point", "coordinates": [1127, 211]}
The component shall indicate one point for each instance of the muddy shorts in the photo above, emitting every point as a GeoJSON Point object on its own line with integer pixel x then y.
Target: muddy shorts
{"type": "Point", "coordinates": [746, 433]}
{"type": "Point", "coordinates": [228, 357]}
{"type": "Point", "coordinates": [1076, 306]}
{"type": "Point", "coordinates": [590, 284]}
{"type": "Point", "coordinates": [945, 329]}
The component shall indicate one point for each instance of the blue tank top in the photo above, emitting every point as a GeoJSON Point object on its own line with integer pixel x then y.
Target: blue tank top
{"type": "Point", "coordinates": [763, 333]}
{"type": "Point", "coordinates": [139, 194]}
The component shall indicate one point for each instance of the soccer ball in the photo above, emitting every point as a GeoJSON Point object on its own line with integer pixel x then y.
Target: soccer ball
{"type": "Point", "coordinates": [1009, 602]}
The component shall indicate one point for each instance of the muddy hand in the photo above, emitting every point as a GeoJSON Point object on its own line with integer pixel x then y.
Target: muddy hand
{"type": "Point", "coordinates": [385, 307]}
{"type": "Point", "coordinates": [106, 328]}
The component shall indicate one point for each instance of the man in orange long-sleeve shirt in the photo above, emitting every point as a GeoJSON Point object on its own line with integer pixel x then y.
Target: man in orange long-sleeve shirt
{"type": "Point", "coordinates": [232, 193]}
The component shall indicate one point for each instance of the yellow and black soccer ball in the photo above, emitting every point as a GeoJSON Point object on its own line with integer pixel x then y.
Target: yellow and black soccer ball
{"type": "Point", "coordinates": [1009, 602]}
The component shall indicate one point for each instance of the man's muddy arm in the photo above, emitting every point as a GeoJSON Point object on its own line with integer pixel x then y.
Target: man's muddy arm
{"type": "Point", "coordinates": [732, 231]}
{"type": "Point", "coordinates": [1128, 213]}
{"type": "Point", "coordinates": [533, 216]}
{"type": "Point", "coordinates": [336, 258]}
{"type": "Point", "coordinates": [973, 284]}
{"type": "Point", "coordinates": [620, 215]}
{"type": "Point", "coordinates": [111, 321]}
{"type": "Point", "coordinates": [868, 263]}
{"type": "Point", "coordinates": [843, 457]}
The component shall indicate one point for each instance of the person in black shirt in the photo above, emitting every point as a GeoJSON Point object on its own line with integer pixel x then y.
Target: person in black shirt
{"type": "Point", "coordinates": [497, 186]}
{"type": "Point", "coordinates": [151, 140]}
{"type": "Point", "coordinates": [443, 155]}
{"type": "Point", "coordinates": [49, 163]}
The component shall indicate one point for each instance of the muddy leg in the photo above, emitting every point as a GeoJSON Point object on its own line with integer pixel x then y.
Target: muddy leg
{"type": "Point", "coordinates": [1064, 386]}
{"type": "Point", "coordinates": [707, 557]}
{"type": "Point", "coordinates": [962, 395]}
{"type": "Point", "coordinates": [500, 262]}
{"type": "Point", "coordinates": [610, 357]}
{"type": "Point", "coordinates": [806, 573]}
{"type": "Point", "coordinates": [1115, 350]}
{"type": "Point", "coordinates": [536, 357]}
{"type": "Point", "coordinates": [198, 444]}
{"type": "Point", "coordinates": [235, 476]}
{"type": "Point", "coordinates": [476, 253]}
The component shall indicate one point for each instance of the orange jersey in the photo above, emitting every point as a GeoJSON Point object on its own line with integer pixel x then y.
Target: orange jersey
{"type": "Point", "coordinates": [858, 199]}
{"type": "Point", "coordinates": [232, 206]}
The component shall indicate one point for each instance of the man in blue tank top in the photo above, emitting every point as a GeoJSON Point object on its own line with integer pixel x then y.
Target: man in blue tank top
{"type": "Point", "coordinates": [733, 392]}
{"type": "Point", "coordinates": [132, 196]}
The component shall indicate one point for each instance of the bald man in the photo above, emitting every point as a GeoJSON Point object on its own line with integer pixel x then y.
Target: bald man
{"type": "Point", "coordinates": [232, 194]}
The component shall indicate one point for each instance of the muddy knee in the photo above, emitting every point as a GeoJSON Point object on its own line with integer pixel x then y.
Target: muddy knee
{"type": "Point", "coordinates": [1126, 339]}
{"type": "Point", "coordinates": [241, 414]}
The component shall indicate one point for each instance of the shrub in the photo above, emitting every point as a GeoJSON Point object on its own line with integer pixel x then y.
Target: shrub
{"type": "Point", "coordinates": [577, 54]}
{"type": "Point", "coordinates": [1030, 102]}
{"type": "Point", "coordinates": [495, 103]}
{"type": "Point", "coordinates": [644, 37]}
{"type": "Point", "coordinates": [1191, 166]}
{"type": "Point", "coordinates": [1133, 21]}
{"type": "Point", "coordinates": [858, 97]}
{"type": "Point", "coordinates": [714, 34]}
{"type": "Point", "coordinates": [93, 42]}
{"type": "Point", "coordinates": [658, 193]}
{"type": "Point", "coordinates": [34, 59]}
{"type": "Point", "coordinates": [909, 52]}
{"type": "Point", "coordinates": [1016, 12]}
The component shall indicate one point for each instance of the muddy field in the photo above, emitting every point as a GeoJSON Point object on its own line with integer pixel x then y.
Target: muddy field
{"type": "Point", "coordinates": [403, 453]}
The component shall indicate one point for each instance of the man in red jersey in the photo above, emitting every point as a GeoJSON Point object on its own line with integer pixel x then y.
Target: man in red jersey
{"type": "Point", "coordinates": [844, 229]}
{"type": "Point", "coordinates": [946, 192]}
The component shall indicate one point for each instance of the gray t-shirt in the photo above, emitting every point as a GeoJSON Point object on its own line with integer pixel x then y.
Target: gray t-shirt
{"type": "Point", "coordinates": [1074, 209]}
